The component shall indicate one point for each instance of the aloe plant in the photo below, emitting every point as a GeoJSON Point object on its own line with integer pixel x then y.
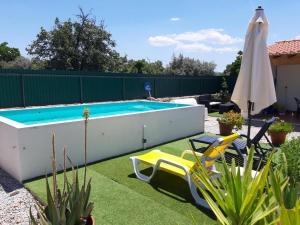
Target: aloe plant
{"type": "Point", "coordinates": [79, 197]}
{"type": "Point", "coordinates": [71, 205]}
{"type": "Point", "coordinates": [236, 198]}
{"type": "Point", "coordinates": [56, 212]}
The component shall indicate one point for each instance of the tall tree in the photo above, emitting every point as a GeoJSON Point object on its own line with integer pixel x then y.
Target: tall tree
{"type": "Point", "coordinates": [19, 63]}
{"type": "Point", "coordinates": [146, 67]}
{"type": "Point", "coordinates": [82, 44]}
{"type": "Point", "coordinates": [8, 53]}
{"type": "Point", "coordinates": [234, 67]}
{"type": "Point", "coordinates": [140, 66]}
{"type": "Point", "coordinates": [22, 62]}
{"type": "Point", "coordinates": [188, 66]}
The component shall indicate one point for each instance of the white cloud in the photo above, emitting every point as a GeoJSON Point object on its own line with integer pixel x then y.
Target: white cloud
{"type": "Point", "coordinates": [194, 47]}
{"type": "Point", "coordinates": [162, 41]}
{"type": "Point", "coordinates": [199, 47]}
{"type": "Point", "coordinates": [214, 36]}
{"type": "Point", "coordinates": [205, 40]}
{"type": "Point", "coordinates": [175, 19]}
{"type": "Point", "coordinates": [297, 37]}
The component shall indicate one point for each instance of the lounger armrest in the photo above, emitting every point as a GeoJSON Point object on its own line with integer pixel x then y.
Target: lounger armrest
{"type": "Point", "coordinates": [213, 103]}
{"type": "Point", "coordinates": [186, 170]}
{"type": "Point", "coordinates": [190, 152]}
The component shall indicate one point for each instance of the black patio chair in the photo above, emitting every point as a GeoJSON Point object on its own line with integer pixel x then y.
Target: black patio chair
{"type": "Point", "coordinates": [298, 106]}
{"type": "Point", "coordinates": [208, 101]}
{"type": "Point", "coordinates": [240, 144]}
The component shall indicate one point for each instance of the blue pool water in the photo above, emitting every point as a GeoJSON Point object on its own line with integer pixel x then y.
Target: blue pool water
{"type": "Point", "coordinates": [65, 113]}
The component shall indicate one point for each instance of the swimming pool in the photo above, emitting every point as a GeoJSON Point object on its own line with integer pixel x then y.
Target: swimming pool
{"type": "Point", "coordinates": [114, 129]}
{"type": "Point", "coordinates": [74, 112]}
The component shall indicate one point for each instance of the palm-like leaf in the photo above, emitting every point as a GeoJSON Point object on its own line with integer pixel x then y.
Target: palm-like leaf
{"type": "Point", "coordinates": [240, 199]}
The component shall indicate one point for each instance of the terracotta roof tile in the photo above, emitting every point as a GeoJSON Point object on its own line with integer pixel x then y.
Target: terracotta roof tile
{"type": "Point", "coordinates": [285, 48]}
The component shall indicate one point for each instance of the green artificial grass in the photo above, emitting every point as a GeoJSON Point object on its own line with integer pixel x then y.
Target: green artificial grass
{"type": "Point", "coordinates": [120, 198]}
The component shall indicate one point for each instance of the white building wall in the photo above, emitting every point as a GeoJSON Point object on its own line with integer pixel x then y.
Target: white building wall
{"type": "Point", "coordinates": [288, 85]}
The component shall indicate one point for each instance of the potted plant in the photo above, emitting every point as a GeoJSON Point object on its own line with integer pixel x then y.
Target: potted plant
{"type": "Point", "coordinates": [229, 121]}
{"type": "Point", "coordinates": [278, 132]}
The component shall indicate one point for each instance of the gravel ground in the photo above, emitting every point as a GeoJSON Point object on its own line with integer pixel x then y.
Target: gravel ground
{"type": "Point", "coordinates": [15, 201]}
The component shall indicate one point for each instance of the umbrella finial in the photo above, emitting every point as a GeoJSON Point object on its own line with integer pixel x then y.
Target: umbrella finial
{"type": "Point", "coordinates": [259, 8]}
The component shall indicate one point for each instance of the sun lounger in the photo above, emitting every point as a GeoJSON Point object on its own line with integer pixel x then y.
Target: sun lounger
{"type": "Point", "coordinates": [189, 101]}
{"type": "Point", "coordinates": [182, 167]}
{"type": "Point", "coordinates": [240, 145]}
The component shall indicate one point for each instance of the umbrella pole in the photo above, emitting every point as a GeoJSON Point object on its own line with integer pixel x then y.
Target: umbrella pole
{"type": "Point", "coordinates": [250, 104]}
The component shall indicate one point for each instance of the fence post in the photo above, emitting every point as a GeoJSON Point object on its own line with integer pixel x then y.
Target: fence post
{"type": "Point", "coordinates": [123, 88]}
{"type": "Point", "coordinates": [22, 91]}
{"type": "Point", "coordinates": [81, 89]}
{"type": "Point", "coordinates": [154, 88]}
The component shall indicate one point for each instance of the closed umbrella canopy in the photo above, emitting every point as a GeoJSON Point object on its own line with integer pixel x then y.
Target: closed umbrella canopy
{"type": "Point", "coordinates": [255, 81]}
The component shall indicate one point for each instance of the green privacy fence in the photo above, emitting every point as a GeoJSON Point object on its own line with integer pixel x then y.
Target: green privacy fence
{"type": "Point", "coordinates": [19, 88]}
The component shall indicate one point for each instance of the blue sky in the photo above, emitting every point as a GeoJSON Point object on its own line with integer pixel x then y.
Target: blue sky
{"type": "Point", "coordinates": [211, 30]}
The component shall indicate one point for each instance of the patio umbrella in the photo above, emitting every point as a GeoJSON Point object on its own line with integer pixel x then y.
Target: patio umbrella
{"type": "Point", "coordinates": [254, 89]}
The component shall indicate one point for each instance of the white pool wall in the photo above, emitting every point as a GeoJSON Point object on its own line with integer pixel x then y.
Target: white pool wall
{"type": "Point", "coordinates": [26, 150]}
{"type": "Point", "coordinates": [9, 150]}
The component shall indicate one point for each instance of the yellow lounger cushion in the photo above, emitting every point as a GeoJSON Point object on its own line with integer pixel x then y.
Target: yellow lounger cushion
{"type": "Point", "coordinates": [182, 167]}
{"type": "Point", "coordinates": [152, 157]}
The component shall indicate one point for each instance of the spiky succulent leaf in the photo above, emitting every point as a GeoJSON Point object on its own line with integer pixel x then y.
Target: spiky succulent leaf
{"type": "Point", "coordinates": [51, 211]}
{"type": "Point", "coordinates": [32, 219]}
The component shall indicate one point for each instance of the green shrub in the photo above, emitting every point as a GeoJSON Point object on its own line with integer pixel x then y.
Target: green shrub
{"type": "Point", "coordinates": [286, 197]}
{"type": "Point", "coordinates": [223, 95]}
{"type": "Point", "coordinates": [290, 158]}
{"type": "Point", "coordinates": [232, 118]}
{"type": "Point", "coordinates": [281, 126]}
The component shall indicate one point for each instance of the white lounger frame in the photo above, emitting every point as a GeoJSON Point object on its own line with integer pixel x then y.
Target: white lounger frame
{"type": "Point", "coordinates": [187, 177]}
